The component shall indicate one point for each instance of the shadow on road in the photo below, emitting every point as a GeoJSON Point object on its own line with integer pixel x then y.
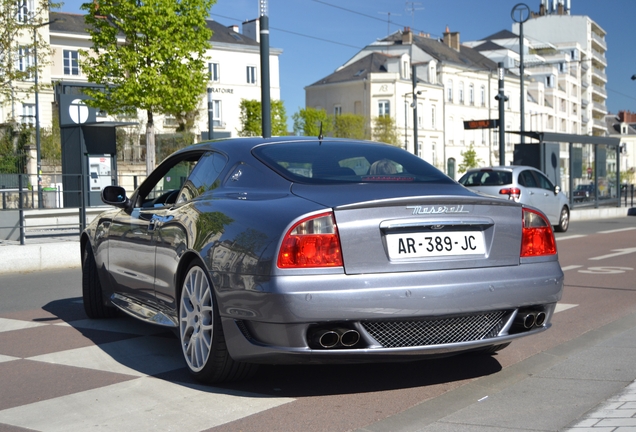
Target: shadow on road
{"type": "Point", "coordinates": [276, 381]}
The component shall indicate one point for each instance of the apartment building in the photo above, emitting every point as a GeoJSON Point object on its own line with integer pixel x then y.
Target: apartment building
{"type": "Point", "coordinates": [454, 83]}
{"type": "Point", "coordinates": [233, 64]}
{"type": "Point", "coordinates": [584, 40]}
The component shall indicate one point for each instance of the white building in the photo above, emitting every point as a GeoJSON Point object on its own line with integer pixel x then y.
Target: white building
{"type": "Point", "coordinates": [584, 40]}
{"type": "Point", "coordinates": [455, 83]}
{"type": "Point", "coordinates": [233, 64]}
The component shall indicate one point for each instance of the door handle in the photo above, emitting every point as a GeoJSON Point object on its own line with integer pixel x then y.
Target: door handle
{"type": "Point", "coordinates": [157, 221]}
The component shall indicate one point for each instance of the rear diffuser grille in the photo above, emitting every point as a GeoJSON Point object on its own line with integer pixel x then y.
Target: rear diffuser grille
{"type": "Point", "coordinates": [398, 334]}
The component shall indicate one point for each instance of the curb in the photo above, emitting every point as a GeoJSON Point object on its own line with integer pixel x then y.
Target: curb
{"type": "Point", "coordinates": [36, 257]}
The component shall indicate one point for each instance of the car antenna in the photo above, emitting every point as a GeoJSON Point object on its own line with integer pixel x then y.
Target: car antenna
{"type": "Point", "coordinates": [320, 137]}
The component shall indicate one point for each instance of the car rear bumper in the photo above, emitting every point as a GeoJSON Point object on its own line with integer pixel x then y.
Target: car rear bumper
{"type": "Point", "coordinates": [279, 324]}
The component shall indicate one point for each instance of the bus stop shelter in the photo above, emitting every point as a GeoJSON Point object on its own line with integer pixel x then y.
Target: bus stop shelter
{"type": "Point", "coordinates": [590, 175]}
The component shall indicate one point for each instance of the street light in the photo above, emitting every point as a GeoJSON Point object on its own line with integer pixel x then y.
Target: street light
{"type": "Point", "coordinates": [37, 108]}
{"type": "Point", "coordinates": [524, 13]}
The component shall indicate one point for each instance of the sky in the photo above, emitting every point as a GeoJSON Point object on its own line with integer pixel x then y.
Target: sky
{"type": "Point", "coordinates": [318, 36]}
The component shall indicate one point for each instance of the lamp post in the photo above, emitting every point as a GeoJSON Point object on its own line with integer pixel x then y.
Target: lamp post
{"type": "Point", "coordinates": [264, 49]}
{"type": "Point", "coordinates": [524, 13]}
{"type": "Point", "coordinates": [37, 109]}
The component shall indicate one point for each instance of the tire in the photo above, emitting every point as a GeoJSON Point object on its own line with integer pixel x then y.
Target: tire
{"type": "Point", "coordinates": [564, 220]}
{"type": "Point", "coordinates": [201, 333]}
{"type": "Point", "coordinates": [92, 295]}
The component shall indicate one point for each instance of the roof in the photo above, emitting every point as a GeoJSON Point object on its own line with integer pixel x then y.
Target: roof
{"type": "Point", "coordinates": [488, 46]}
{"type": "Point", "coordinates": [502, 34]}
{"type": "Point", "coordinates": [358, 70]}
{"type": "Point", "coordinates": [466, 56]}
{"type": "Point", "coordinates": [74, 23]}
{"type": "Point", "coordinates": [614, 125]}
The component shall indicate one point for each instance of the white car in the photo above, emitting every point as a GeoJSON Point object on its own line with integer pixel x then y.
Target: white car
{"type": "Point", "coordinates": [523, 184]}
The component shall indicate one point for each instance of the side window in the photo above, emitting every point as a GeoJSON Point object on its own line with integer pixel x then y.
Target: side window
{"type": "Point", "coordinates": [165, 189]}
{"type": "Point", "coordinates": [204, 176]}
{"type": "Point", "coordinates": [528, 179]}
{"type": "Point", "coordinates": [544, 182]}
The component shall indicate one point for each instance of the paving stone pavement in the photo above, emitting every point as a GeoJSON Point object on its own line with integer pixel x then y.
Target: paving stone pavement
{"type": "Point", "coordinates": [617, 414]}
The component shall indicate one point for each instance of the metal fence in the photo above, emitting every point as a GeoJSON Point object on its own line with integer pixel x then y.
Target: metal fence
{"type": "Point", "coordinates": [26, 212]}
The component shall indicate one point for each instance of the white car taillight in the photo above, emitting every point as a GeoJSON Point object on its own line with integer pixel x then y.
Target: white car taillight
{"type": "Point", "coordinates": [537, 238]}
{"type": "Point", "coordinates": [312, 242]}
{"type": "Point", "coordinates": [513, 193]}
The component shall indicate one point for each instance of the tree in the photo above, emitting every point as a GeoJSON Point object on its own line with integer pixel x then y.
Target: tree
{"type": "Point", "coordinates": [17, 43]}
{"type": "Point", "coordinates": [349, 125]}
{"type": "Point", "coordinates": [470, 159]}
{"type": "Point", "coordinates": [148, 55]}
{"type": "Point", "coordinates": [384, 130]}
{"type": "Point", "coordinates": [251, 118]}
{"type": "Point", "coordinates": [308, 122]}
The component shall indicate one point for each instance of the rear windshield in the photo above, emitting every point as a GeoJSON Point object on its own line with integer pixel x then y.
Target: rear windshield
{"type": "Point", "coordinates": [312, 162]}
{"type": "Point", "coordinates": [486, 178]}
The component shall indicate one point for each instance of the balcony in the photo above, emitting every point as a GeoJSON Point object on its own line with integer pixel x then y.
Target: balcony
{"type": "Point", "coordinates": [599, 40]}
{"type": "Point", "coordinates": [599, 90]}
{"type": "Point", "coordinates": [599, 124]}
{"type": "Point", "coordinates": [599, 107]}
{"type": "Point", "coordinates": [584, 102]}
{"type": "Point", "coordinates": [584, 119]}
{"type": "Point", "coordinates": [599, 57]}
{"type": "Point", "coordinates": [599, 73]}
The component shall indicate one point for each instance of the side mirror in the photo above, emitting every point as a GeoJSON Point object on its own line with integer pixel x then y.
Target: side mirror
{"type": "Point", "coordinates": [115, 196]}
{"type": "Point", "coordinates": [557, 189]}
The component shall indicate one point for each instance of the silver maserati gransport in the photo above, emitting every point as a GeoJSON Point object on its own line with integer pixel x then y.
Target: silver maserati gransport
{"type": "Point", "coordinates": [309, 250]}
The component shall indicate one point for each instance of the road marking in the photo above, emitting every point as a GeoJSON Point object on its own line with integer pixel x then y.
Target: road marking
{"type": "Point", "coordinates": [570, 237]}
{"type": "Point", "coordinates": [141, 404]}
{"type": "Point", "coordinates": [606, 270]}
{"type": "Point", "coordinates": [617, 230]}
{"type": "Point", "coordinates": [572, 267]}
{"type": "Point", "coordinates": [560, 307]}
{"type": "Point", "coordinates": [619, 252]}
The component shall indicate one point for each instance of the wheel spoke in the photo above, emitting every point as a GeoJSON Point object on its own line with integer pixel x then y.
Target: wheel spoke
{"type": "Point", "coordinates": [196, 319]}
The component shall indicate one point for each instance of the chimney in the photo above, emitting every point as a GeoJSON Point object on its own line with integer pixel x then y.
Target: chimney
{"type": "Point", "coordinates": [451, 39]}
{"type": "Point", "coordinates": [407, 36]}
{"type": "Point", "coordinates": [252, 29]}
{"type": "Point", "coordinates": [234, 28]}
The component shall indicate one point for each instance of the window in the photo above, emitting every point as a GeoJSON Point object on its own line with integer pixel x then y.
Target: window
{"type": "Point", "coordinates": [213, 69]}
{"type": "Point", "coordinates": [405, 69]}
{"type": "Point", "coordinates": [204, 176]}
{"type": "Point", "coordinates": [28, 114]}
{"type": "Point", "coordinates": [217, 118]}
{"type": "Point", "coordinates": [251, 74]}
{"type": "Point", "coordinates": [482, 95]}
{"type": "Point", "coordinates": [420, 113]}
{"type": "Point", "coordinates": [71, 64]}
{"type": "Point", "coordinates": [26, 62]}
{"type": "Point", "coordinates": [433, 114]}
{"type": "Point", "coordinates": [26, 10]}
{"type": "Point", "coordinates": [337, 110]}
{"type": "Point", "coordinates": [471, 94]}
{"type": "Point", "coordinates": [461, 92]}
{"type": "Point", "coordinates": [384, 108]}
{"type": "Point", "coordinates": [449, 91]}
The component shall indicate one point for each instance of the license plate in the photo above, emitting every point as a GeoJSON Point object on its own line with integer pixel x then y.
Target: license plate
{"type": "Point", "coordinates": [420, 245]}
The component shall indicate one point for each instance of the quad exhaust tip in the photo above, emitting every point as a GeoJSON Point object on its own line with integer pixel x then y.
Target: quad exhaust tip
{"type": "Point", "coordinates": [529, 320]}
{"type": "Point", "coordinates": [337, 337]}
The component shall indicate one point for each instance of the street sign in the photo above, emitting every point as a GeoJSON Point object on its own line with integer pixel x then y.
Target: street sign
{"type": "Point", "coordinates": [481, 124]}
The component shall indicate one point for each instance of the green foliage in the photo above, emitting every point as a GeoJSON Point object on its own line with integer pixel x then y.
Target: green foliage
{"type": "Point", "coordinates": [251, 118]}
{"type": "Point", "coordinates": [349, 125]}
{"type": "Point", "coordinates": [16, 33]}
{"type": "Point", "coordinates": [160, 67]}
{"type": "Point", "coordinates": [470, 159]}
{"type": "Point", "coordinates": [307, 122]}
{"type": "Point", "coordinates": [51, 140]}
{"type": "Point", "coordinates": [170, 143]}
{"type": "Point", "coordinates": [14, 138]}
{"type": "Point", "coordinates": [385, 130]}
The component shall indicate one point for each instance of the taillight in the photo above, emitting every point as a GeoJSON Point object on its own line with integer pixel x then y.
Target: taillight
{"type": "Point", "coordinates": [537, 238]}
{"type": "Point", "coordinates": [312, 242]}
{"type": "Point", "coordinates": [513, 193]}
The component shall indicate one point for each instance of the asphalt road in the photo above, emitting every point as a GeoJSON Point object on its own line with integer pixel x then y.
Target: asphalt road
{"type": "Point", "coordinates": [59, 371]}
